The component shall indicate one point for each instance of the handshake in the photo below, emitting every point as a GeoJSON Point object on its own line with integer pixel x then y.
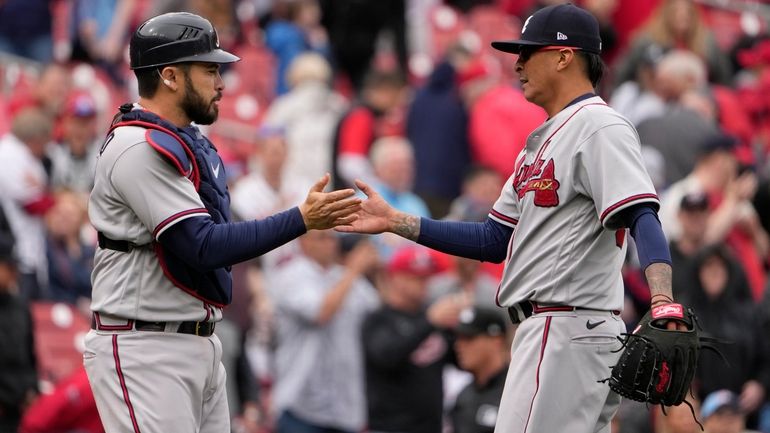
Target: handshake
{"type": "Point", "coordinates": [344, 212]}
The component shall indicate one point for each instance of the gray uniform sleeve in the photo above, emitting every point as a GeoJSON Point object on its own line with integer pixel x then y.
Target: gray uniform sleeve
{"type": "Point", "coordinates": [153, 189]}
{"type": "Point", "coordinates": [609, 169]}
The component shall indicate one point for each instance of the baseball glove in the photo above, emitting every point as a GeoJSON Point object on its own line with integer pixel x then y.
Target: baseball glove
{"type": "Point", "coordinates": [657, 365]}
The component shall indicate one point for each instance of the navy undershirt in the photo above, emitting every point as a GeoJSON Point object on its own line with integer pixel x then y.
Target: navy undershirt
{"type": "Point", "coordinates": [488, 240]}
{"type": "Point", "coordinates": [203, 244]}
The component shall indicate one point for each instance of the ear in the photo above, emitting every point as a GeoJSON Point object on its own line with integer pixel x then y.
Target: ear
{"type": "Point", "coordinates": [566, 58]}
{"type": "Point", "coordinates": [168, 76]}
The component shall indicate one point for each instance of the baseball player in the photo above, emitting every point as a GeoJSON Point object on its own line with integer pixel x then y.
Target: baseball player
{"type": "Point", "coordinates": [162, 273]}
{"type": "Point", "coordinates": [560, 224]}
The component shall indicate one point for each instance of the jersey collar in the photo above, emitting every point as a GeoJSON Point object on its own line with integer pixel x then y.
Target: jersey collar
{"type": "Point", "coordinates": [582, 97]}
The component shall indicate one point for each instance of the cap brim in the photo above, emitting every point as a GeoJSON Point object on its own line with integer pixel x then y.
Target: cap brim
{"type": "Point", "coordinates": [514, 46]}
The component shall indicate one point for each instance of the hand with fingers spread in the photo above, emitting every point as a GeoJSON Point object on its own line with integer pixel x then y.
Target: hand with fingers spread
{"type": "Point", "coordinates": [324, 210]}
{"type": "Point", "coordinates": [377, 216]}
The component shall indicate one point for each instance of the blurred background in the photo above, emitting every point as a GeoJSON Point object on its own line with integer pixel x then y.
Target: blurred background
{"type": "Point", "coordinates": [408, 95]}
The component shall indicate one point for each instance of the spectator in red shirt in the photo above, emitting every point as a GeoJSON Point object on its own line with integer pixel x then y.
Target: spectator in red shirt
{"type": "Point", "coordinates": [69, 408]}
{"type": "Point", "coordinates": [366, 121]}
{"type": "Point", "coordinates": [500, 118]}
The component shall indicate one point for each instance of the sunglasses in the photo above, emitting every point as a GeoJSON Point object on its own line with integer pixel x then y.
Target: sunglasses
{"type": "Point", "coordinates": [525, 52]}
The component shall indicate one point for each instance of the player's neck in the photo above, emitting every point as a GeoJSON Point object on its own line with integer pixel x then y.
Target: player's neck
{"type": "Point", "coordinates": [166, 110]}
{"type": "Point", "coordinates": [566, 93]}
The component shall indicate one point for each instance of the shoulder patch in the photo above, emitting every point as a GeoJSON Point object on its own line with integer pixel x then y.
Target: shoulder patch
{"type": "Point", "coordinates": [173, 150]}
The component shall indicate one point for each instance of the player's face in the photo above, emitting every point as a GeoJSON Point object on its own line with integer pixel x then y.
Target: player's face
{"type": "Point", "coordinates": [536, 66]}
{"type": "Point", "coordinates": [413, 288]}
{"type": "Point", "coordinates": [203, 90]}
{"type": "Point", "coordinates": [472, 351]}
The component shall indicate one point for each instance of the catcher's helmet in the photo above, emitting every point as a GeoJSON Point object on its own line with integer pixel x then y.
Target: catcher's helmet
{"type": "Point", "coordinates": [174, 38]}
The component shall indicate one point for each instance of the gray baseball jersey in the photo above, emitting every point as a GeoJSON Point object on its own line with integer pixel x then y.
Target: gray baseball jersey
{"type": "Point", "coordinates": [577, 171]}
{"type": "Point", "coordinates": [140, 376]}
{"type": "Point", "coordinates": [137, 195]}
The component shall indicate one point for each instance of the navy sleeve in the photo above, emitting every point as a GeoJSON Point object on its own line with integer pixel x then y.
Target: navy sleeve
{"type": "Point", "coordinates": [203, 244]}
{"type": "Point", "coordinates": [485, 241]}
{"type": "Point", "coordinates": [651, 244]}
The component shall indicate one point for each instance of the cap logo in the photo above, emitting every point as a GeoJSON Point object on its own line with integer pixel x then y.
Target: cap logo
{"type": "Point", "coordinates": [526, 23]}
{"type": "Point", "coordinates": [561, 36]}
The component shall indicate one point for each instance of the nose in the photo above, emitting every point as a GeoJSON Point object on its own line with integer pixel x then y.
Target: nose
{"type": "Point", "coordinates": [519, 66]}
{"type": "Point", "coordinates": [220, 83]}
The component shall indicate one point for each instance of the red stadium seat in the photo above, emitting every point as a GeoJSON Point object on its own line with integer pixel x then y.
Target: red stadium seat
{"type": "Point", "coordinates": [59, 330]}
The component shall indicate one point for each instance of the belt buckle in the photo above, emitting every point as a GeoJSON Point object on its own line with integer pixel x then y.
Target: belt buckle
{"type": "Point", "coordinates": [197, 328]}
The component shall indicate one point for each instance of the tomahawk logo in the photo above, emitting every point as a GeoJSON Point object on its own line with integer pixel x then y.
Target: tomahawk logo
{"type": "Point", "coordinates": [524, 29]}
{"type": "Point", "coordinates": [561, 36]}
{"type": "Point", "coordinates": [538, 178]}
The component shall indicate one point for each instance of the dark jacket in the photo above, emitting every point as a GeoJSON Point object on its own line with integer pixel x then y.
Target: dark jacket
{"type": "Point", "coordinates": [738, 321]}
{"type": "Point", "coordinates": [477, 406]}
{"type": "Point", "coordinates": [437, 127]}
{"type": "Point", "coordinates": [405, 358]}
{"type": "Point", "coordinates": [18, 364]}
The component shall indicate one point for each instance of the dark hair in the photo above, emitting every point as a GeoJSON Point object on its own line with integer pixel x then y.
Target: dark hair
{"type": "Point", "coordinates": [149, 78]}
{"type": "Point", "coordinates": [594, 66]}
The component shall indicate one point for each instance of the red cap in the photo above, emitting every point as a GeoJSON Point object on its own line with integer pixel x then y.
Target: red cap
{"type": "Point", "coordinates": [414, 260]}
{"type": "Point", "coordinates": [80, 104]}
{"type": "Point", "coordinates": [476, 69]}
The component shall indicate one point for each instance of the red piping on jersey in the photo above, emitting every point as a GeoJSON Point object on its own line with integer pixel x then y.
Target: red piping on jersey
{"type": "Point", "coordinates": [539, 363]}
{"type": "Point", "coordinates": [505, 218]}
{"type": "Point", "coordinates": [536, 309]}
{"type": "Point", "coordinates": [175, 282]}
{"type": "Point", "coordinates": [548, 140]}
{"type": "Point", "coordinates": [176, 216]}
{"type": "Point", "coordinates": [127, 327]}
{"type": "Point", "coordinates": [625, 201]}
{"type": "Point", "coordinates": [123, 386]}
{"type": "Point", "coordinates": [196, 178]}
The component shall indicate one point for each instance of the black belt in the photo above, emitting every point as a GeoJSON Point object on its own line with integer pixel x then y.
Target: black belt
{"type": "Point", "coordinates": [201, 329]}
{"type": "Point", "coordinates": [528, 308]}
{"type": "Point", "coordinates": [112, 244]}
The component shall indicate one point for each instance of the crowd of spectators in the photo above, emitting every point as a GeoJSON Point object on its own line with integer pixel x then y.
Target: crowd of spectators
{"type": "Point", "coordinates": [333, 333]}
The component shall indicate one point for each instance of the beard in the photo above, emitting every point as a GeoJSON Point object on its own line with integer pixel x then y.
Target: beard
{"type": "Point", "coordinates": [196, 108]}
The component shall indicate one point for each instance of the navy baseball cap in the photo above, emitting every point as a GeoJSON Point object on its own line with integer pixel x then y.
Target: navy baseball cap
{"type": "Point", "coordinates": [477, 320]}
{"type": "Point", "coordinates": [559, 25]}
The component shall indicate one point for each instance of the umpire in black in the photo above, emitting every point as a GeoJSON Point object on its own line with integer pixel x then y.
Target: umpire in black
{"type": "Point", "coordinates": [482, 348]}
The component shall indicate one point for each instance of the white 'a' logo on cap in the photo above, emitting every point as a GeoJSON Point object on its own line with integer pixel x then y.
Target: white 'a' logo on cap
{"type": "Point", "coordinates": [524, 29]}
{"type": "Point", "coordinates": [561, 36]}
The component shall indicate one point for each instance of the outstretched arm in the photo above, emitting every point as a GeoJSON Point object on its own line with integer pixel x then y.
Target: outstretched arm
{"type": "Point", "coordinates": [485, 241]}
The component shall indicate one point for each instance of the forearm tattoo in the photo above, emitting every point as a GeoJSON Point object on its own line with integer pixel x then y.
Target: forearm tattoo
{"type": "Point", "coordinates": [407, 226]}
{"type": "Point", "coordinates": [659, 279]}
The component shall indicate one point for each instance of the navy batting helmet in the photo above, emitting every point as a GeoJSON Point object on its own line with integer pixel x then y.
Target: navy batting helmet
{"type": "Point", "coordinates": [174, 38]}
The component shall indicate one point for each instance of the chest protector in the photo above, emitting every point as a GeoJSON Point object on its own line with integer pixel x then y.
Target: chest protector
{"type": "Point", "coordinates": [196, 158]}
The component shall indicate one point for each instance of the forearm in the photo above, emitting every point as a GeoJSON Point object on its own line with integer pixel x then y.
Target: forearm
{"type": "Point", "coordinates": [406, 226]}
{"type": "Point", "coordinates": [486, 241]}
{"type": "Point", "coordinates": [652, 250]}
{"type": "Point", "coordinates": [721, 221]}
{"type": "Point", "coordinates": [336, 296]}
{"type": "Point", "coordinates": [659, 280]}
{"type": "Point", "coordinates": [205, 245]}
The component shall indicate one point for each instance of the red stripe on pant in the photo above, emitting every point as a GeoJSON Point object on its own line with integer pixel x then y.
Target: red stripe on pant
{"type": "Point", "coordinates": [123, 383]}
{"type": "Point", "coordinates": [546, 328]}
